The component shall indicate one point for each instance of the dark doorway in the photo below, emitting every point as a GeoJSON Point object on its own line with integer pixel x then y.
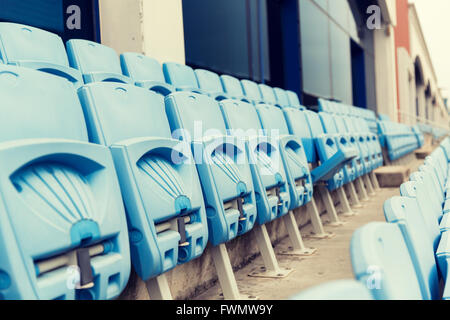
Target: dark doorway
{"type": "Point", "coordinates": [358, 75]}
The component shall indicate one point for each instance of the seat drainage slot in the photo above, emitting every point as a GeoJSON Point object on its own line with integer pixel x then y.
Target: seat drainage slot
{"type": "Point", "coordinates": [179, 225]}
{"type": "Point", "coordinates": [275, 192]}
{"type": "Point", "coordinates": [236, 204]}
{"type": "Point", "coordinates": [80, 258]}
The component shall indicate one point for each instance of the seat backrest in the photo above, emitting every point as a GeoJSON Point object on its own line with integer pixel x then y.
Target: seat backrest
{"type": "Point", "coordinates": [195, 113]}
{"type": "Point", "coordinates": [315, 123]}
{"type": "Point", "coordinates": [232, 86]}
{"type": "Point", "coordinates": [251, 90]}
{"type": "Point", "coordinates": [430, 210]}
{"type": "Point", "coordinates": [240, 115]}
{"type": "Point", "coordinates": [294, 101]}
{"type": "Point", "coordinates": [298, 126]}
{"type": "Point", "coordinates": [340, 124]}
{"type": "Point", "coordinates": [336, 290]}
{"type": "Point", "coordinates": [272, 119]}
{"type": "Point", "coordinates": [141, 68]}
{"type": "Point", "coordinates": [119, 112]}
{"type": "Point", "coordinates": [25, 43]}
{"type": "Point", "coordinates": [40, 104]}
{"type": "Point", "coordinates": [406, 213]}
{"type": "Point", "coordinates": [381, 260]}
{"type": "Point", "coordinates": [92, 57]}
{"type": "Point", "coordinates": [328, 123]}
{"type": "Point", "coordinates": [282, 97]}
{"type": "Point", "coordinates": [180, 75]}
{"type": "Point", "coordinates": [267, 94]}
{"type": "Point", "coordinates": [209, 81]}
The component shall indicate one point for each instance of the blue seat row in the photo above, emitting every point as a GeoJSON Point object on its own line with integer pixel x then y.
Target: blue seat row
{"type": "Point", "coordinates": [341, 109]}
{"type": "Point", "coordinates": [407, 257]}
{"type": "Point", "coordinates": [145, 163]}
{"type": "Point", "coordinates": [399, 139]}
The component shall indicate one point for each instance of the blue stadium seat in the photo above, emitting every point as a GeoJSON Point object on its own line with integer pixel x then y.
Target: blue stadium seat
{"type": "Point", "coordinates": [337, 290]}
{"type": "Point", "coordinates": [292, 154]}
{"type": "Point", "coordinates": [269, 176]}
{"type": "Point", "coordinates": [406, 214]}
{"type": "Point", "coordinates": [354, 140]}
{"type": "Point", "coordinates": [159, 182]}
{"type": "Point", "coordinates": [399, 139]}
{"type": "Point", "coordinates": [329, 153]}
{"type": "Point", "coordinates": [345, 143]}
{"type": "Point", "coordinates": [268, 95]}
{"type": "Point", "coordinates": [145, 72]}
{"type": "Point", "coordinates": [37, 49]}
{"type": "Point", "coordinates": [233, 88]}
{"type": "Point", "coordinates": [369, 144]}
{"type": "Point", "coordinates": [319, 147]}
{"type": "Point", "coordinates": [95, 61]}
{"type": "Point", "coordinates": [63, 224]}
{"type": "Point", "coordinates": [294, 101]}
{"type": "Point", "coordinates": [222, 164]}
{"type": "Point", "coordinates": [431, 212]}
{"type": "Point", "coordinates": [381, 260]}
{"type": "Point", "coordinates": [210, 83]}
{"type": "Point", "coordinates": [182, 77]}
{"type": "Point", "coordinates": [252, 91]}
{"type": "Point", "coordinates": [282, 98]}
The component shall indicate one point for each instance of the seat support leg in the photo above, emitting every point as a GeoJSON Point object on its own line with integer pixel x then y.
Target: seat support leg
{"type": "Point", "coordinates": [361, 190]}
{"type": "Point", "coordinates": [271, 268]}
{"type": "Point", "coordinates": [368, 184]}
{"type": "Point", "coordinates": [329, 206]}
{"type": "Point", "coordinates": [225, 272]}
{"type": "Point", "coordinates": [298, 247]}
{"type": "Point", "coordinates": [374, 180]}
{"type": "Point", "coordinates": [353, 195]}
{"type": "Point", "coordinates": [158, 288]}
{"type": "Point", "coordinates": [319, 231]}
{"type": "Point", "coordinates": [344, 204]}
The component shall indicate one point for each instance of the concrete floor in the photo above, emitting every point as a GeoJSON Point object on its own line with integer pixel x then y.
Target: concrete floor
{"type": "Point", "coordinates": [331, 262]}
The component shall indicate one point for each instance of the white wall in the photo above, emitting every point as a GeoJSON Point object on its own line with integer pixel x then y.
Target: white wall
{"type": "Point", "coordinates": [152, 27]}
{"type": "Point", "coordinates": [385, 72]}
{"type": "Point", "coordinates": [120, 25]}
{"type": "Point", "coordinates": [163, 32]}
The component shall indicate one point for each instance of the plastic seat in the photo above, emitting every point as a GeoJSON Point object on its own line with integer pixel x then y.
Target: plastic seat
{"type": "Point", "coordinates": [181, 77]}
{"type": "Point", "coordinates": [62, 225]}
{"type": "Point", "coordinates": [233, 88]}
{"type": "Point", "coordinates": [145, 72]}
{"type": "Point", "coordinates": [210, 83]}
{"type": "Point", "coordinates": [159, 181]}
{"type": "Point", "coordinates": [399, 139]}
{"type": "Point", "coordinates": [381, 260]}
{"type": "Point", "coordinates": [222, 164]}
{"type": "Point", "coordinates": [337, 290]}
{"type": "Point", "coordinates": [252, 91]}
{"type": "Point", "coordinates": [431, 212]}
{"type": "Point", "coordinates": [406, 214]}
{"type": "Point", "coordinates": [292, 154]}
{"type": "Point", "coordinates": [368, 142]}
{"type": "Point", "coordinates": [294, 101]}
{"type": "Point", "coordinates": [331, 157]}
{"type": "Point", "coordinates": [95, 61]}
{"type": "Point", "coordinates": [353, 140]}
{"type": "Point", "coordinates": [282, 98]}
{"type": "Point", "coordinates": [269, 176]}
{"type": "Point", "coordinates": [344, 143]}
{"type": "Point", "coordinates": [37, 49]}
{"type": "Point", "coordinates": [268, 95]}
